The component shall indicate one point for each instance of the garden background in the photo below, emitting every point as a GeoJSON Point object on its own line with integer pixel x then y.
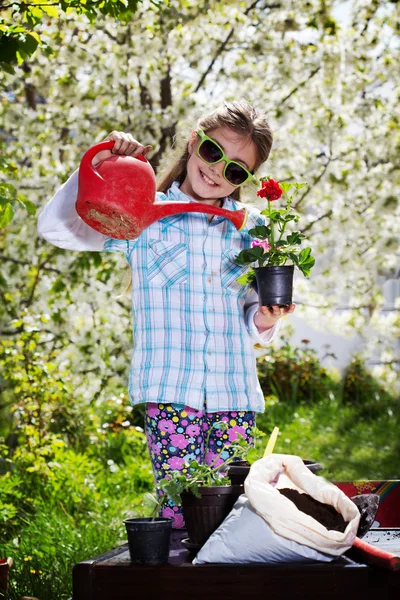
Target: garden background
{"type": "Point", "coordinates": [73, 460]}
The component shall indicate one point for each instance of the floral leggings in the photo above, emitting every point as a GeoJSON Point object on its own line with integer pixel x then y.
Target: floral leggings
{"type": "Point", "coordinates": [177, 434]}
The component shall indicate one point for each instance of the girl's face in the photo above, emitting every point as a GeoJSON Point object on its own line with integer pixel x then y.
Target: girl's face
{"type": "Point", "coordinates": [206, 182]}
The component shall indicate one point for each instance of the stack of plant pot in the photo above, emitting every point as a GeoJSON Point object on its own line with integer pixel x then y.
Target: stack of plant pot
{"type": "Point", "coordinates": [203, 514]}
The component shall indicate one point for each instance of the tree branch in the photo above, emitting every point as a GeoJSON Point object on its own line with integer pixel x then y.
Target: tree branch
{"type": "Point", "coordinates": [223, 44]}
{"type": "Point", "coordinates": [27, 264]}
{"type": "Point", "coordinates": [324, 216]}
{"type": "Point", "coordinates": [300, 85]}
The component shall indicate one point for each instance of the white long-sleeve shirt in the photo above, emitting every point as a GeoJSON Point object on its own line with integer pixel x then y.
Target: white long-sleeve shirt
{"type": "Point", "coordinates": [194, 330]}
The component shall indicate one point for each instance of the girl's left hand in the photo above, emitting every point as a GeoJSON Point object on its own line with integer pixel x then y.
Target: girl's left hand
{"type": "Point", "coordinates": [265, 317]}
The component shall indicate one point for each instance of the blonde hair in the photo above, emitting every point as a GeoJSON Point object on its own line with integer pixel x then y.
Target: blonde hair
{"type": "Point", "coordinates": [240, 116]}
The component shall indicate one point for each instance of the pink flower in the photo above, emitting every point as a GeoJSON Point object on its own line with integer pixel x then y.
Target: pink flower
{"type": "Point", "coordinates": [176, 463]}
{"type": "Point", "coordinates": [178, 522]}
{"type": "Point", "coordinates": [152, 410]}
{"type": "Point", "coordinates": [192, 430]}
{"type": "Point", "coordinates": [262, 244]}
{"type": "Point", "coordinates": [193, 412]}
{"type": "Point", "coordinates": [233, 433]}
{"type": "Point", "coordinates": [211, 457]}
{"type": "Point", "coordinates": [168, 513]}
{"type": "Point", "coordinates": [179, 441]}
{"type": "Point", "coordinates": [166, 425]}
{"type": "Point", "coordinates": [155, 449]}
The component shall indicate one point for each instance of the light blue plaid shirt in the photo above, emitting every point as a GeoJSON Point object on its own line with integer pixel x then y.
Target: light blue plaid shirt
{"type": "Point", "coordinates": [194, 332]}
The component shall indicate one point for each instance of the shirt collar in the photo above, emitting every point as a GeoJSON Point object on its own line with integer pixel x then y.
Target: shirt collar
{"type": "Point", "coordinates": [174, 194]}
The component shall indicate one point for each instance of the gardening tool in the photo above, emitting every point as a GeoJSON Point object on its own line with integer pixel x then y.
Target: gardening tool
{"type": "Point", "coordinates": [366, 553]}
{"type": "Point", "coordinates": [368, 505]}
{"type": "Point", "coordinates": [362, 552]}
{"type": "Point", "coordinates": [117, 197]}
{"type": "Point", "coordinates": [272, 441]}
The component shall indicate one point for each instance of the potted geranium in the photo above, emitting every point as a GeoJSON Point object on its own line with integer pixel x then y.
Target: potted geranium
{"type": "Point", "coordinates": [275, 251]}
{"type": "Point", "coordinates": [205, 492]}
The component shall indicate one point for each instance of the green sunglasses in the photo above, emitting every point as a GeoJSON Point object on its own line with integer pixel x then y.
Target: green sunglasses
{"type": "Point", "coordinates": [211, 153]}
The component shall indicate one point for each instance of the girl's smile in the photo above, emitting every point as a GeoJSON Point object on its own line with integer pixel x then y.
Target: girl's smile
{"type": "Point", "coordinates": [206, 183]}
{"type": "Point", "coordinates": [207, 180]}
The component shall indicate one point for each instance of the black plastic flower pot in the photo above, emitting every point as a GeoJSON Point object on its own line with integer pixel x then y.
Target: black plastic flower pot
{"type": "Point", "coordinates": [274, 285]}
{"type": "Point", "coordinates": [205, 514]}
{"type": "Point", "coordinates": [313, 465]}
{"type": "Point", "coordinates": [238, 470]}
{"type": "Point", "coordinates": [148, 540]}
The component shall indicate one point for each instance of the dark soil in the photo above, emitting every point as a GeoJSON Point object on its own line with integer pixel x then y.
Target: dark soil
{"type": "Point", "coordinates": [323, 513]}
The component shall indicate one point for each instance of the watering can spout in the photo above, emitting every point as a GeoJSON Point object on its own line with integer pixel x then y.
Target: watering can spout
{"type": "Point", "coordinates": [117, 197]}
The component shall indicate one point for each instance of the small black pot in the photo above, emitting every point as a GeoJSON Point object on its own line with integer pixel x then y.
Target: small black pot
{"type": "Point", "coordinates": [148, 540]}
{"type": "Point", "coordinates": [274, 285]}
{"type": "Point", "coordinates": [205, 514]}
{"type": "Point", "coordinates": [237, 471]}
{"type": "Point", "coordinates": [312, 465]}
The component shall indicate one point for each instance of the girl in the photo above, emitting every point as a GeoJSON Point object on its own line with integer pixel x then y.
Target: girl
{"type": "Point", "coordinates": [195, 327]}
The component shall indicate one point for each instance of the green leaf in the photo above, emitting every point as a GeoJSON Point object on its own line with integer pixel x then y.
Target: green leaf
{"type": "Point", "coordinates": [247, 278]}
{"type": "Point", "coordinates": [30, 206]}
{"type": "Point", "coordinates": [286, 186]}
{"type": "Point", "coordinates": [293, 258]}
{"type": "Point", "coordinates": [6, 215]}
{"type": "Point", "coordinates": [7, 68]}
{"type": "Point", "coordinates": [260, 231]}
{"type": "Point", "coordinates": [256, 253]}
{"type": "Point", "coordinates": [295, 238]}
{"type": "Point", "coordinates": [304, 254]}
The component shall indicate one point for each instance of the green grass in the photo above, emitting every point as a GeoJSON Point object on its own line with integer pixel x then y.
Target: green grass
{"type": "Point", "coordinates": [351, 443]}
{"type": "Point", "coordinates": [64, 525]}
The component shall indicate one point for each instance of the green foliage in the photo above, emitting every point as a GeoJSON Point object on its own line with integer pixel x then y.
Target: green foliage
{"type": "Point", "coordinates": [295, 375]}
{"type": "Point", "coordinates": [70, 472]}
{"type": "Point", "coordinates": [362, 391]}
{"type": "Point", "coordinates": [19, 42]}
{"type": "Point", "coordinates": [10, 199]}
{"type": "Point", "coordinates": [201, 474]}
{"type": "Point", "coordinates": [276, 251]}
{"type": "Point", "coordinates": [350, 425]}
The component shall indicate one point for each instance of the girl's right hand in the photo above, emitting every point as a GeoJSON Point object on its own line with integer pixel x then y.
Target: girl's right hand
{"type": "Point", "coordinates": [125, 144]}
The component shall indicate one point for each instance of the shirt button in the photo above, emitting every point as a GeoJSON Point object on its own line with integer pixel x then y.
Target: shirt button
{"type": "Point", "coordinates": [204, 265]}
{"type": "Point", "coordinates": [209, 279]}
{"type": "Point", "coordinates": [204, 297]}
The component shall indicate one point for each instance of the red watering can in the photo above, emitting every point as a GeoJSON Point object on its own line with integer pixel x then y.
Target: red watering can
{"type": "Point", "coordinates": [117, 197]}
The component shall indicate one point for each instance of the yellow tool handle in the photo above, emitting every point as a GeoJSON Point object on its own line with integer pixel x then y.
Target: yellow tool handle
{"type": "Point", "coordinates": [272, 441]}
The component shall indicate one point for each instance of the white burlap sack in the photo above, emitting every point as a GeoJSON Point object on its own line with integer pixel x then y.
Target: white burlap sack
{"type": "Point", "coordinates": [278, 471]}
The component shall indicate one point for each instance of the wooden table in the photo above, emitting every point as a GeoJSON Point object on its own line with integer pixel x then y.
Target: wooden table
{"type": "Point", "coordinates": [112, 577]}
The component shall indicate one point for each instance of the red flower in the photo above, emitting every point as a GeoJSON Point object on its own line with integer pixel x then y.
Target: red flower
{"type": "Point", "coordinates": [270, 189]}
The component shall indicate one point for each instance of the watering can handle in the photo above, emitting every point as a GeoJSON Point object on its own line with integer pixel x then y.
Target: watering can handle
{"type": "Point", "coordinates": [87, 169]}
